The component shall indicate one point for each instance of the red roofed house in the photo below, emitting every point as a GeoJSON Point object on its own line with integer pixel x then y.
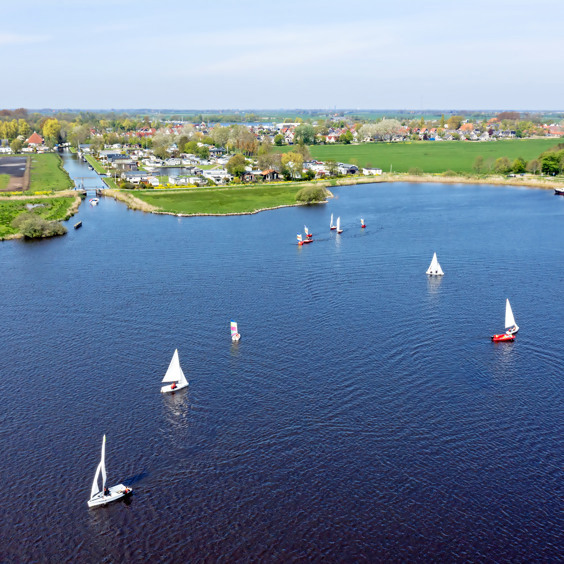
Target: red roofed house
{"type": "Point", "coordinates": [35, 139]}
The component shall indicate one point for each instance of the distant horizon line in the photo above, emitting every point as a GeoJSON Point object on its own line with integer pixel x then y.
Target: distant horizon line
{"type": "Point", "coordinates": [255, 110]}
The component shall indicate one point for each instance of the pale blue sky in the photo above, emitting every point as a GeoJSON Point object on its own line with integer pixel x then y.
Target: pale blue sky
{"type": "Point", "coordinates": [456, 54]}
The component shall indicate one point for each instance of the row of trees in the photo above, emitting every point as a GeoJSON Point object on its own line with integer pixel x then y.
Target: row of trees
{"type": "Point", "coordinates": [550, 162]}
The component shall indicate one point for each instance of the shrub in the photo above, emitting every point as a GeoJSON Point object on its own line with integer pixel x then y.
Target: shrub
{"type": "Point", "coordinates": [33, 226]}
{"type": "Point", "coordinates": [415, 171]}
{"type": "Point", "coordinates": [311, 194]}
{"type": "Point", "coordinates": [450, 173]}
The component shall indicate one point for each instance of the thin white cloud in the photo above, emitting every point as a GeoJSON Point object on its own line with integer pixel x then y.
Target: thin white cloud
{"type": "Point", "coordinates": [21, 39]}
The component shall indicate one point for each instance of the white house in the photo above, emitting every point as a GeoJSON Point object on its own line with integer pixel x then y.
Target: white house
{"type": "Point", "coordinates": [372, 171]}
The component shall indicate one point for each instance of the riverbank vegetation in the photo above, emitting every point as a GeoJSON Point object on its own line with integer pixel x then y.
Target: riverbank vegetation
{"type": "Point", "coordinates": [35, 217]}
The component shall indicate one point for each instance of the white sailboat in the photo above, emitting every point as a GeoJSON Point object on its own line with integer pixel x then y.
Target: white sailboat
{"type": "Point", "coordinates": [510, 326]}
{"type": "Point", "coordinates": [362, 224]}
{"type": "Point", "coordinates": [234, 333]}
{"type": "Point", "coordinates": [307, 233]}
{"type": "Point", "coordinates": [435, 268]}
{"type": "Point", "coordinates": [105, 495]}
{"type": "Point", "coordinates": [331, 226]}
{"type": "Point", "coordinates": [174, 375]}
{"type": "Point", "coordinates": [339, 230]}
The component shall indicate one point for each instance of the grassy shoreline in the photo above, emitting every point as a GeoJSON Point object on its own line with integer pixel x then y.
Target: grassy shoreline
{"type": "Point", "coordinates": [190, 203]}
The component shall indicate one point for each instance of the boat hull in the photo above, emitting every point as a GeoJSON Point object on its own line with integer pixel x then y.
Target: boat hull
{"type": "Point", "coordinates": [235, 338]}
{"type": "Point", "coordinates": [116, 492]}
{"type": "Point", "coordinates": [168, 389]}
{"type": "Point", "coordinates": [559, 191]}
{"type": "Point", "coordinates": [504, 337]}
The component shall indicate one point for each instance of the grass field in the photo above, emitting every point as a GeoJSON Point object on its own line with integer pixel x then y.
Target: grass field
{"type": "Point", "coordinates": [52, 209]}
{"type": "Point", "coordinates": [221, 200]}
{"type": "Point", "coordinates": [429, 156]}
{"type": "Point", "coordinates": [4, 179]}
{"type": "Point", "coordinates": [47, 173]}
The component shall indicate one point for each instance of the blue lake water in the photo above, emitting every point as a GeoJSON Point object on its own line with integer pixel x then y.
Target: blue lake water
{"type": "Point", "coordinates": [365, 415]}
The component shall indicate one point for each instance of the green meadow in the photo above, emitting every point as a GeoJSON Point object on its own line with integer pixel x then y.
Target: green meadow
{"type": "Point", "coordinates": [50, 209]}
{"type": "Point", "coordinates": [47, 173]}
{"type": "Point", "coordinates": [429, 156]}
{"type": "Point", "coordinates": [221, 200]}
{"type": "Point", "coordinates": [4, 179]}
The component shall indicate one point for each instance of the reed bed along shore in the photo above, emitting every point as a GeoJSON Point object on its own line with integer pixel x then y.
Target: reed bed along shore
{"type": "Point", "coordinates": [137, 203]}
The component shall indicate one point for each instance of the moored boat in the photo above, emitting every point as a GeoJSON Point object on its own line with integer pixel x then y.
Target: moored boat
{"type": "Point", "coordinates": [78, 224]}
{"type": "Point", "coordinates": [94, 201]}
{"type": "Point", "coordinates": [559, 191]}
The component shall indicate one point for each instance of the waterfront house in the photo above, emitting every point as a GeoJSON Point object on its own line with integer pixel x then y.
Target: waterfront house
{"type": "Point", "coordinates": [371, 171]}
{"type": "Point", "coordinates": [135, 177]}
{"type": "Point", "coordinates": [35, 140]}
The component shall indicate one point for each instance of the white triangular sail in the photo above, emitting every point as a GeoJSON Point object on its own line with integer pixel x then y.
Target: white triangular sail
{"type": "Point", "coordinates": [362, 221]}
{"type": "Point", "coordinates": [331, 224]}
{"type": "Point", "coordinates": [174, 372]}
{"type": "Point", "coordinates": [233, 328]}
{"type": "Point", "coordinates": [435, 267]}
{"type": "Point", "coordinates": [101, 468]}
{"type": "Point", "coordinates": [299, 237]}
{"type": "Point", "coordinates": [305, 230]}
{"type": "Point", "coordinates": [510, 319]}
{"type": "Point", "coordinates": [338, 225]}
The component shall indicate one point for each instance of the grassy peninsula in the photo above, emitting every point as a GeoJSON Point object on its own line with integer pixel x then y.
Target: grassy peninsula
{"type": "Point", "coordinates": [220, 200]}
{"type": "Point", "coordinates": [48, 174]}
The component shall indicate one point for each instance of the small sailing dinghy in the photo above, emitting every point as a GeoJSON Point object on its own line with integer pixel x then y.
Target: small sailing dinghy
{"type": "Point", "coordinates": [331, 226]}
{"type": "Point", "coordinates": [234, 333]}
{"type": "Point", "coordinates": [307, 233]}
{"type": "Point", "coordinates": [299, 237]}
{"type": "Point", "coordinates": [362, 224]}
{"type": "Point", "coordinates": [511, 327]}
{"type": "Point", "coordinates": [94, 201]}
{"type": "Point", "coordinates": [105, 495]}
{"type": "Point", "coordinates": [339, 230]}
{"type": "Point", "coordinates": [174, 375]}
{"type": "Point", "coordinates": [435, 268]}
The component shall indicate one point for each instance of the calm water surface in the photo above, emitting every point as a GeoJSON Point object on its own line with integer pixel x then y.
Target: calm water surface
{"type": "Point", "coordinates": [365, 414]}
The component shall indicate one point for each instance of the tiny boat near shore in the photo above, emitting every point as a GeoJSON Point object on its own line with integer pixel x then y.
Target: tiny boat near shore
{"type": "Point", "coordinates": [105, 495]}
{"type": "Point", "coordinates": [559, 191]}
{"type": "Point", "coordinates": [93, 201]}
{"type": "Point", "coordinates": [78, 224]}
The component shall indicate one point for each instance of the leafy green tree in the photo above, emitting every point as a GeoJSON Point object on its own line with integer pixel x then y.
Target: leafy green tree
{"type": "Point", "coordinates": [519, 165]}
{"type": "Point", "coordinates": [534, 166]}
{"type": "Point", "coordinates": [33, 226]}
{"type": "Point", "coordinates": [346, 137]}
{"type": "Point", "coordinates": [478, 164]}
{"type": "Point", "coordinates": [332, 166]}
{"type": "Point", "coordinates": [236, 165]}
{"type": "Point", "coordinates": [16, 145]}
{"type": "Point", "coordinates": [502, 165]}
{"type": "Point", "coordinates": [311, 194]}
{"type": "Point", "coordinates": [51, 130]}
{"type": "Point", "coordinates": [454, 122]}
{"type": "Point", "coordinates": [23, 128]}
{"type": "Point", "coordinates": [550, 164]}
{"type": "Point", "coordinates": [304, 133]}
{"type": "Point", "coordinates": [309, 174]}
{"type": "Point", "coordinates": [278, 140]}
{"type": "Point", "coordinates": [442, 122]}
{"type": "Point", "coordinates": [294, 163]}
